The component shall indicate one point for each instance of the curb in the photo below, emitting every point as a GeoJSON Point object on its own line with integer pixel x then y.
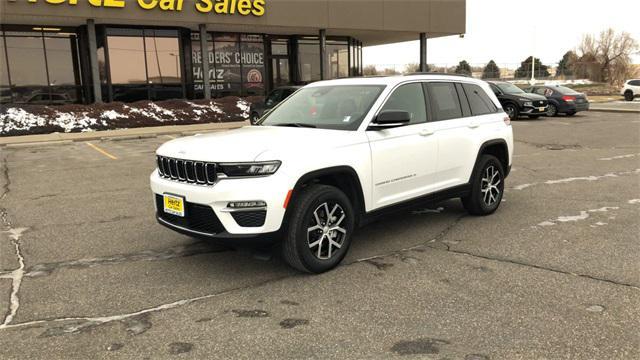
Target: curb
{"type": "Point", "coordinates": [39, 143]}
{"type": "Point", "coordinates": [625, 111]}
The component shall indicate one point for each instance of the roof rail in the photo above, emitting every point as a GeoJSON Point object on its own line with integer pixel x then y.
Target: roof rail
{"type": "Point", "coordinates": [436, 73]}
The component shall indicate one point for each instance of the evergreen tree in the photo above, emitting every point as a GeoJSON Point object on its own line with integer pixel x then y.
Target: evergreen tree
{"type": "Point", "coordinates": [567, 64]}
{"type": "Point", "coordinates": [463, 68]}
{"type": "Point", "coordinates": [491, 71]}
{"type": "Point", "coordinates": [524, 71]}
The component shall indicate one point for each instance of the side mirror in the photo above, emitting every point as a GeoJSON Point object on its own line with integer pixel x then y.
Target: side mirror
{"type": "Point", "coordinates": [390, 119]}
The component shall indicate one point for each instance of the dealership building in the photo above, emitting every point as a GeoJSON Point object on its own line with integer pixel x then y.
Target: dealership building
{"type": "Point", "coordinates": [85, 51]}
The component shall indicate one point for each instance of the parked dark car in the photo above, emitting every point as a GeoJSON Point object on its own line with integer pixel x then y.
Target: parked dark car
{"type": "Point", "coordinates": [274, 98]}
{"type": "Point", "coordinates": [562, 100]}
{"type": "Point", "coordinates": [516, 102]}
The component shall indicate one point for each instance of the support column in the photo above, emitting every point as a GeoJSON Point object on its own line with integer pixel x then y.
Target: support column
{"type": "Point", "coordinates": [205, 61]}
{"type": "Point", "coordinates": [93, 61]}
{"type": "Point", "coordinates": [323, 52]}
{"type": "Point", "coordinates": [423, 52]}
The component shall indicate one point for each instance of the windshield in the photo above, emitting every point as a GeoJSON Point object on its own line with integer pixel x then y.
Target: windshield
{"type": "Point", "coordinates": [509, 88]}
{"type": "Point", "coordinates": [338, 107]}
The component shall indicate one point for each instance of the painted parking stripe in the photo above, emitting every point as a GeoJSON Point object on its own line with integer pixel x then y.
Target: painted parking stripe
{"type": "Point", "coordinates": [101, 151]}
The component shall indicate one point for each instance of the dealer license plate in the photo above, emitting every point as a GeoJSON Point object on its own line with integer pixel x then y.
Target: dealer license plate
{"type": "Point", "coordinates": [542, 109]}
{"type": "Point", "coordinates": [174, 205]}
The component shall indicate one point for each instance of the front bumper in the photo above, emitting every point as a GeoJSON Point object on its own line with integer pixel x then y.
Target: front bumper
{"type": "Point", "coordinates": [538, 110]}
{"type": "Point", "coordinates": [209, 205]}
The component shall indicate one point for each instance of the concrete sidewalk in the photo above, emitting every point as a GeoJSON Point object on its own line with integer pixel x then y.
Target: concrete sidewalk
{"type": "Point", "coordinates": [146, 132]}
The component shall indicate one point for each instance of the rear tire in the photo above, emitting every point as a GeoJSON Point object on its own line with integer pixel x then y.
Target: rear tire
{"type": "Point", "coordinates": [487, 187]}
{"type": "Point", "coordinates": [320, 227]}
{"type": "Point", "coordinates": [628, 95]}
{"type": "Point", "coordinates": [552, 111]}
{"type": "Point", "coordinates": [571, 113]}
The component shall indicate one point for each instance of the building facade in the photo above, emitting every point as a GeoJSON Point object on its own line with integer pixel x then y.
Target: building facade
{"type": "Point", "coordinates": [84, 51]}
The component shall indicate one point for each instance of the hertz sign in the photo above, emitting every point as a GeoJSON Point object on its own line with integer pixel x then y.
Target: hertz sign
{"type": "Point", "coordinates": [224, 7]}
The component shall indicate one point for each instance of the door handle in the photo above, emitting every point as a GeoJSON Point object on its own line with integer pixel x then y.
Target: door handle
{"type": "Point", "coordinates": [427, 132]}
{"type": "Point", "coordinates": [473, 125]}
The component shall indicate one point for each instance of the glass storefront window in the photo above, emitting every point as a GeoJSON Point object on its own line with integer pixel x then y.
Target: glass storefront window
{"type": "Point", "coordinates": [163, 60]}
{"type": "Point", "coordinates": [5, 89]}
{"type": "Point", "coordinates": [228, 70]}
{"type": "Point", "coordinates": [309, 60]}
{"type": "Point", "coordinates": [252, 54]}
{"type": "Point", "coordinates": [197, 59]}
{"type": "Point", "coordinates": [337, 61]}
{"type": "Point", "coordinates": [60, 61]}
{"type": "Point", "coordinates": [127, 60]}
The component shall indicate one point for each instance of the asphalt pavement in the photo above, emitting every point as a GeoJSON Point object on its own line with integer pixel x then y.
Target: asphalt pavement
{"type": "Point", "coordinates": [86, 272]}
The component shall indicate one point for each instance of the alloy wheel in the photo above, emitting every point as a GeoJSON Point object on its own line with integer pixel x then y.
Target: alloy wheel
{"type": "Point", "coordinates": [511, 111]}
{"type": "Point", "coordinates": [490, 186]}
{"type": "Point", "coordinates": [325, 235]}
{"type": "Point", "coordinates": [552, 110]}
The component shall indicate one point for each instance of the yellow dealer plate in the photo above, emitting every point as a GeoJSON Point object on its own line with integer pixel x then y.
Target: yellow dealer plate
{"type": "Point", "coordinates": [542, 109]}
{"type": "Point", "coordinates": [174, 205]}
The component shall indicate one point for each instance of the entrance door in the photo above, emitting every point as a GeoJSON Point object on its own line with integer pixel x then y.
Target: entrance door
{"type": "Point", "coordinates": [280, 74]}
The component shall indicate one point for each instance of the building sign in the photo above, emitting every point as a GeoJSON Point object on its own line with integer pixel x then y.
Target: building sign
{"type": "Point", "coordinates": [222, 7]}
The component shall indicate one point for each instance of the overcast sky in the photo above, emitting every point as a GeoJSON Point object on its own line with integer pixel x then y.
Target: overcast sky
{"type": "Point", "coordinates": [508, 31]}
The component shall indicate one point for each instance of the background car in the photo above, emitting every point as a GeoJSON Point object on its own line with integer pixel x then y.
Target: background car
{"type": "Point", "coordinates": [44, 98]}
{"type": "Point", "coordinates": [516, 102]}
{"type": "Point", "coordinates": [562, 100]}
{"type": "Point", "coordinates": [274, 98]}
{"type": "Point", "coordinates": [631, 89]}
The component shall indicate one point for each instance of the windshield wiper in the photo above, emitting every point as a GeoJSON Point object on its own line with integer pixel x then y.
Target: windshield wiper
{"type": "Point", "coordinates": [301, 125]}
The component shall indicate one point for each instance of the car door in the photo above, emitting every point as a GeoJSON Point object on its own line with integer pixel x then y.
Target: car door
{"type": "Point", "coordinates": [403, 158]}
{"type": "Point", "coordinates": [455, 124]}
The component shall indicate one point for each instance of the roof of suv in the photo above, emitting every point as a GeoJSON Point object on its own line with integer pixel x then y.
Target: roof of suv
{"type": "Point", "coordinates": [394, 80]}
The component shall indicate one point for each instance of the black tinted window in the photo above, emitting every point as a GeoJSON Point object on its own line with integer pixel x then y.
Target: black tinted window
{"type": "Point", "coordinates": [480, 103]}
{"type": "Point", "coordinates": [444, 101]}
{"type": "Point", "coordinates": [634, 82]}
{"type": "Point", "coordinates": [409, 98]}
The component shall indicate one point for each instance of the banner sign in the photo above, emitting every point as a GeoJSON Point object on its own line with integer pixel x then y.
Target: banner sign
{"type": "Point", "coordinates": [222, 7]}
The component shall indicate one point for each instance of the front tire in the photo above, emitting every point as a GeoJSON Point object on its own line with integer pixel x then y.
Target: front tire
{"type": "Point", "coordinates": [253, 119]}
{"type": "Point", "coordinates": [512, 111]}
{"type": "Point", "coordinates": [628, 95]}
{"type": "Point", "coordinates": [320, 227]}
{"type": "Point", "coordinates": [487, 187]}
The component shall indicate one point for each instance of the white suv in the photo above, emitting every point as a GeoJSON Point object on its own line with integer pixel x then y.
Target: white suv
{"type": "Point", "coordinates": [631, 89]}
{"type": "Point", "coordinates": [334, 156]}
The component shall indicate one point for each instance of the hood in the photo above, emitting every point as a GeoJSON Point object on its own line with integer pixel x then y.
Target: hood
{"type": "Point", "coordinates": [530, 96]}
{"type": "Point", "coordinates": [249, 142]}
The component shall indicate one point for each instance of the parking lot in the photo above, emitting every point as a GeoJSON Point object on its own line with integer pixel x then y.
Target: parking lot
{"type": "Point", "coordinates": [86, 272]}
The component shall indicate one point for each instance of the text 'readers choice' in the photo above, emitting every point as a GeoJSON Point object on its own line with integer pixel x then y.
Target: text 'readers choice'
{"type": "Point", "coordinates": [223, 7]}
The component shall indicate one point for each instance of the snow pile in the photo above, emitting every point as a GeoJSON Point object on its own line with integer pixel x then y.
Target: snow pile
{"type": "Point", "coordinates": [39, 119]}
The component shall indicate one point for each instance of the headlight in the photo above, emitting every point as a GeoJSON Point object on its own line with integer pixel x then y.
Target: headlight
{"type": "Point", "coordinates": [528, 103]}
{"type": "Point", "coordinates": [250, 169]}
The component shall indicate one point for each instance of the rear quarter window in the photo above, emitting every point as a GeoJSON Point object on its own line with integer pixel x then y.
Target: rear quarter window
{"type": "Point", "coordinates": [444, 101]}
{"type": "Point", "coordinates": [479, 101]}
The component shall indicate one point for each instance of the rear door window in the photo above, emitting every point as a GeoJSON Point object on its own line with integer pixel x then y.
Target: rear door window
{"type": "Point", "coordinates": [410, 98]}
{"type": "Point", "coordinates": [444, 101]}
{"type": "Point", "coordinates": [479, 102]}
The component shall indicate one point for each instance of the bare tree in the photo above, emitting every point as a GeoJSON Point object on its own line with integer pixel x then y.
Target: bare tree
{"type": "Point", "coordinates": [606, 58]}
{"type": "Point", "coordinates": [370, 70]}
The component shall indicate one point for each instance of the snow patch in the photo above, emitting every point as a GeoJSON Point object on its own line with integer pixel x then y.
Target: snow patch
{"type": "Point", "coordinates": [619, 157]}
{"type": "Point", "coordinates": [245, 107]}
{"type": "Point", "coordinates": [584, 214]}
{"type": "Point", "coordinates": [634, 201]}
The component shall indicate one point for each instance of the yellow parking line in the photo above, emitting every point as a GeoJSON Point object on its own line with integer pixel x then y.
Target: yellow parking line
{"type": "Point", "coordinates": [170, 136]}
{"type": "Point", "coordinates": [102, 151]}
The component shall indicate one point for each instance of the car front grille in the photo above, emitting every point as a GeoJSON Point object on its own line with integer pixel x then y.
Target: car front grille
{"type": "Point", "coordinates": [188, 171]}
{"type": "Point", "coordinates": [250, 218]}
{"type": "Point", "coordinates": [200, 218]}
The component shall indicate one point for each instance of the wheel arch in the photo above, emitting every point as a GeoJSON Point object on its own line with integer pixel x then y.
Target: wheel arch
{"type": "Point", "coordinates": [497, 148]}
{"type": "Point", "coordinates": [345, 178]}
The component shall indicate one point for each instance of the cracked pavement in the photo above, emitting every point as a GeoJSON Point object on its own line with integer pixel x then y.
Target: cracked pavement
{"type": "Point", "coordinates": [85, 272]}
